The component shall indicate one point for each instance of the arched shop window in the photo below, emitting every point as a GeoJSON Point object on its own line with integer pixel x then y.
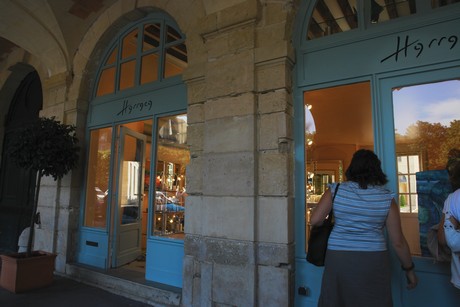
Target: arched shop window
{"type": "Point", "coordinates": [332, 17]}
{"type": "Point", "coordinates": [137, 153]}
{"type": "Point", "coordinates": [149, 52]}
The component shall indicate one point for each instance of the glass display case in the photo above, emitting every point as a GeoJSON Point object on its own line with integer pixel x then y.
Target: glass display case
{"type": "Point", "coordinates": [169, 213]}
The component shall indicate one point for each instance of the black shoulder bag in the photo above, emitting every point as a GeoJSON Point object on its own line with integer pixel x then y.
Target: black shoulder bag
{"type": "Point", "coordinates": [319, 235]}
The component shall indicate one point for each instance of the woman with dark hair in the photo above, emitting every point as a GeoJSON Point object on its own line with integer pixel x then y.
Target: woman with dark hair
{"type": "Point", "coordinates": [357, 266]}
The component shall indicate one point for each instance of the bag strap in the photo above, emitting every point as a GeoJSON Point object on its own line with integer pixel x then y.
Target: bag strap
{"type": "Point", "coordinates": [328, 220]}
{"type": "Point", "coordinates": [333, 197]}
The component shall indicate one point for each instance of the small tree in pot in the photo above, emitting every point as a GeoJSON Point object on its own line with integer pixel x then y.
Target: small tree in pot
{"type": "Point", "coordinates": [49, 148]}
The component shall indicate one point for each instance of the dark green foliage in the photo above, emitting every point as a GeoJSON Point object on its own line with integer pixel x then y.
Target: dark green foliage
{"type": "Point", "coordinates": [47, 146]}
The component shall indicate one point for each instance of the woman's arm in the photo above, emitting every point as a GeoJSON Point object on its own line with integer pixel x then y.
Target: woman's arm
{"type": "Point", "coordinates": [441, 236]}
{"type": "Point", "coordinates": [322, 209]}
{"type": "Point", "coordinates": [399, 243]}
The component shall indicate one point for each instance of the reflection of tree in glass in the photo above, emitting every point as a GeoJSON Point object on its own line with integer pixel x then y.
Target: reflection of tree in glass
{"type": "Point", "coordinates": [432, 140]}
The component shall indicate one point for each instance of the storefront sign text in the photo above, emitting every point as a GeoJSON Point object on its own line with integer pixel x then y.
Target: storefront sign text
{"type": "Point", "coordinates": [416, 47]}
{"type": "Point", "coordinates": [128, 108]}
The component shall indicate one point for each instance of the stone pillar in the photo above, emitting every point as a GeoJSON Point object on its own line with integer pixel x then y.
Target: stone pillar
{"type": "Point", "coordinates": [59, 200]}
{"type": "Point", "coordinates": [239, 227]}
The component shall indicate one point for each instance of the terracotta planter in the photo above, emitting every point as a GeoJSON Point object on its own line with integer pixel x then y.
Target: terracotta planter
{"type": "Point", "coordinates": [20, 273]}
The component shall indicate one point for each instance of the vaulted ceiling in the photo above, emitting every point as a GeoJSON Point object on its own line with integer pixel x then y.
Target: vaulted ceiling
{"type": "Point", "coordinates": [57, 25]}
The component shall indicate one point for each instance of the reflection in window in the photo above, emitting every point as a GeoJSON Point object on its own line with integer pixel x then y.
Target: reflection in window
{"type": "Point", "coordinates": [382, 10]}
{"type": "Point", "coordinates": [330, 18]}
{"type": "Point", "coordinates": [427, 122]}
{"type": "Point", "coordinates": [131, 180]}
{"type": "Point", "coordinates": [427, 127]}
{"type": "Point", "coordinates": [176, 60]}
{"type": "Point", "coordinates": [173, 156]}
{"type": "Point", "coordinates": [408, 166]}
{"type": "Point", "coordinates": [151, 37]}
{"type": "Point", "coordinates": [97, 179]}
{"type": "Point", "coordinates": [439, 3]}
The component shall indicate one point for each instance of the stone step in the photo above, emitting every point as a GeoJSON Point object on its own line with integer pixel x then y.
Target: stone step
{"type": "Point", "coordinates": [127, 284]}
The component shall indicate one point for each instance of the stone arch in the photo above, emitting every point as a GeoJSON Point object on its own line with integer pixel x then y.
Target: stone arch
{"type": "Point", "coordinates": [18, 72]}
{"type": "Point", "coordinates": [90, 51]}
{"type": "Point", "coordinates": [23, 99]}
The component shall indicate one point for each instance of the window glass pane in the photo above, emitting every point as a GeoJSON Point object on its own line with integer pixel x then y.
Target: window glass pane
{"type": "Point", "coordinates": [438, 3]}
{"type": "Point", "coordinates": [149, 69]}
{"type": "Point", "coordinates": [382, 10]}
{"type": "Point", "coordinates": [106, 83]}
{"type": "Point", "coordinates": [172, 35]}
{"type": "Point", "coordinates": [129, 45]}
{"type": "Point", "coordinates": [176, 60]}
{"type": "Point", "coordinates": [97, 179]}
{"type": "Point", "coordinates": [112, 58]}
{"type": "Point", "coordinates": [414, 202]}
{"type": "Point", "coordinates": [331, 139]}
{"type": "Point", "coordinates": [427, 127]}
{"type": "Point", "coordinates": [404, 202]}
{"type": "Point", "coordinates": [131, 157]}
{"type": "Point", "coordinates": [130, 181]}
{"type": "Point", "coordinates": [151, 36]}
{"type": "Point", "coordinates": [127, 75]}
{"type": "Point", "coordinates": [173, 156]}
{"type": "Point", "coordinates": [402, 164]}
{"type": "Point", "coordinates": [414, 163]}
{"type": "Point", "coordinates": [329, 18]}
{"type": "Point", "coordinates": [412, 182]}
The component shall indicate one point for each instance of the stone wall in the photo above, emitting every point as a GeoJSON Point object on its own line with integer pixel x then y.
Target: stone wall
{"type": "Point", "coordinates": [239, 244]}
{"type": "Point", "coordinates": [239, 215]}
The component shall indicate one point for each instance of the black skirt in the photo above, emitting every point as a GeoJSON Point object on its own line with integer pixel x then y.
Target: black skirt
{"type": "Point", "coordinates": [356, 279]}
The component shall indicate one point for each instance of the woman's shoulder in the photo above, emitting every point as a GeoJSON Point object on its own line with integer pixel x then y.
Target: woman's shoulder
{"type": "Point", "coordinates": [371, 189]}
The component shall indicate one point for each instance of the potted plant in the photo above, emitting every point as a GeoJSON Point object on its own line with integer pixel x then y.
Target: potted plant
{"type": "Point", "coordinates": [48, 148]}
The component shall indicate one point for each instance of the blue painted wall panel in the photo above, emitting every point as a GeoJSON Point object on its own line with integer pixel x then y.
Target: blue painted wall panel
{"type": "Point", "coordinates": [164, 264]}
{"type": "Point", "coordinates": [93, 248]}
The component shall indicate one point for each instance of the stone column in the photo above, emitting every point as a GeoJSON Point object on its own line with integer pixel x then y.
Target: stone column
{"type": "Point", "coordinates": [239, 227]}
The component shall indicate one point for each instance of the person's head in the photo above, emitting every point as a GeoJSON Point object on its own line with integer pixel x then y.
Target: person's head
{"type": "Point", "coordinates": [452, 158]}
{"type": "Point", "coordinates": [365, 169]}
{"type": "Point", "coordinates": [454, 175]}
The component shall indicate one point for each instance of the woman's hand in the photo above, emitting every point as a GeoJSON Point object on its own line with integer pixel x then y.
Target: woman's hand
{"type": "Point", "coordinates": [412, 279]}
{"type": "Point", "coordinates": [454, 222]}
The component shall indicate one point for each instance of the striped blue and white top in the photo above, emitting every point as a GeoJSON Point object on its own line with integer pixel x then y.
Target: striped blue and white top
{"type": "Point", "coordinates": [360, 216]}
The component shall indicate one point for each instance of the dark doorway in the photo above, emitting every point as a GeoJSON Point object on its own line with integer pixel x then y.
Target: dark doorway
{"type": "Point", "coordinates": [16, 184]}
